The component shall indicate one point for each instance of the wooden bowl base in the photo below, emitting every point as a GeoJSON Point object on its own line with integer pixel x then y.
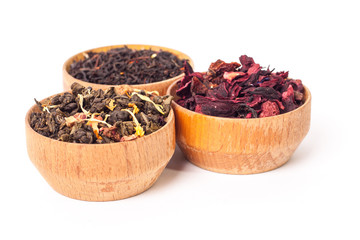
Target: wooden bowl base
{"type": "Point", "coordinates": [234, 163]}
{"type": "Point", "coordinates": [102, 191]}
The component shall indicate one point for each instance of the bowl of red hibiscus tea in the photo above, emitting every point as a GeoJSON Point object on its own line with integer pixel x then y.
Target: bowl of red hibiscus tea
{"type": "Point", "coordinates": [101, 145]}
{"type": "Point", "coordinates": [239, 118]}
{"type": "Point", "coordinates": [146, 67]}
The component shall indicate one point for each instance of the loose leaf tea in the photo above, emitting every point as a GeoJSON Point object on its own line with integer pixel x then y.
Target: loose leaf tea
{"type": "Point", "coordinates": [237, 90]}
{"type": "Point", "coordinates": [127, 66]}
{"type": "Point", "coordinates": [97, 116]}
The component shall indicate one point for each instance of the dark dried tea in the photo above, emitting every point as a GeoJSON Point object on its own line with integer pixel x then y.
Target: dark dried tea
{"type": "Point", "coordinates": [236, 90]}
{"type": "Point", "coordinates": [127, 66]}
{"type": "Point", "coordinates": [89, 116]}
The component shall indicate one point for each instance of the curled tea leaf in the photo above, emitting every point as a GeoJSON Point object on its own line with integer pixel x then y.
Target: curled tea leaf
{"type": "Point", "coordinates": [147, 99]}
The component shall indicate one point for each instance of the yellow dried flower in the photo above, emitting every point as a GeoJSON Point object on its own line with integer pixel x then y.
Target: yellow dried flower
{"type": "Point", "coordinates": [139, 131]}
{"type": "Point", "coordinates": [111, 105]}
{"type": "Point", "coordinates": [136, 109]}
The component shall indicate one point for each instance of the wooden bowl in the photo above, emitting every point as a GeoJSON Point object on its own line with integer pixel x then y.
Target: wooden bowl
{"type": "Point", "coordinates": [101, 172]}
{"type": "Point", "coordinates": [161, 86]}
{"type": "Point", "coordinates": [240, 146]}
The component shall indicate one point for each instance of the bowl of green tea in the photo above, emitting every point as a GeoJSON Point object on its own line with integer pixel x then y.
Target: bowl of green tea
{"type": "Point", "coordinates": [240, 118]}
{"type": "Point", "coordinates": [147, 67]}
{"type": "Point", "coordinates": [101, 145]}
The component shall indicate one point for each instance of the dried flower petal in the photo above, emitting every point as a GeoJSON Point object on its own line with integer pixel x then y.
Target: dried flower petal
{"type": "Point", "coordinates": [229, 76]}
{"type": "Point", "coordinates": [269, 109]}
{"type": "Point", "coordinates": [111, 105]}
{"type": "Point", "coordinates": [139, 131]}
{"type": "Point", "coordinates": [133, 105]}
{"type": "Point", "coordinates": [128, 138]}
{"type": "Point", "coordinates": [78, 117]}
{"type": "Point", "coordinates": [81, 103]}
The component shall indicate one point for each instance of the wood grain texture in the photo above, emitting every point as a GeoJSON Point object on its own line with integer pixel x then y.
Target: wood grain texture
{"type": "Point", "coordinates": [240, 146]}
{"type": "Point", "coordinates": [161, 86]}
{"type": "Point", "coordinates": [101, 172]}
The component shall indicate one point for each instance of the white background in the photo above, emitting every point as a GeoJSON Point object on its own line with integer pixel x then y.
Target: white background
{"type": "Point", "coordinates": [314, 196]}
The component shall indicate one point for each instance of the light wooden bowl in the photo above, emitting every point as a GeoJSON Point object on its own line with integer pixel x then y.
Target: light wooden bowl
{"type": "Point", "coordinates": [161, 86]}
{"type": "Point", "coordinates": [101, 172]}
{"type": "Point", "coordinates": [240, 146]}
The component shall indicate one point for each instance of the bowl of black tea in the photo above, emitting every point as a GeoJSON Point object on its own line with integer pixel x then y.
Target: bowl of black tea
{"type": "Point", "coordinates": [101, 145]}
{"type": "Point", "coordinates": [146, 67]}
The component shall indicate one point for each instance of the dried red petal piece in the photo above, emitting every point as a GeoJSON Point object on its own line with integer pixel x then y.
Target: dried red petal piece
{"type": "Point", "coordinates": [240, 80]}
{"type": "Point", "coordinates": [246, 62]}
{"type": "Point", "coordinates": [282, 74]}
{"type": "Point", "coordinates": [289, 93]}
{"type": "Point", "coordinates": [248, 115]}
{"type": "Point", "coordinates": [188, 103]}
{"type": "Point", "coordinates": [281, 106]}
{"type": "Point", "coordinates": [298, 96]}
{"type": "Point", "coordinates": [214, 107]}
{"type": "Point", "coordinates": [256, 100]}
{"type": "Point", "coordinates": [111, 133]}
{"type": "Point", "coordinates": [80, 116]}
{"type": "Point", "coordinates": [269, 109]}
{"type": "Point", "coordinates": [229, 76]}
{"type": "Point", "coordinates": [288, 99]}
{"type": "Point", "coordinates": [254, 69]}
{"type": "Point", "coordinates": [267, 92]}
{"type": "Point", "coordinates": [234, 91]}
{"type": "Point", "coordinates": [128, 138]}
{"type": "Point", "coordinates": [297, 85]}
{"type": "Point", "coordinates": [220, 66]}
{"type": "Point", "coordinates": [198, 87]}
{"type": "Point", "coordinates": [221, 91]}
{"type": "Point", "coordinates": [184, 90]}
